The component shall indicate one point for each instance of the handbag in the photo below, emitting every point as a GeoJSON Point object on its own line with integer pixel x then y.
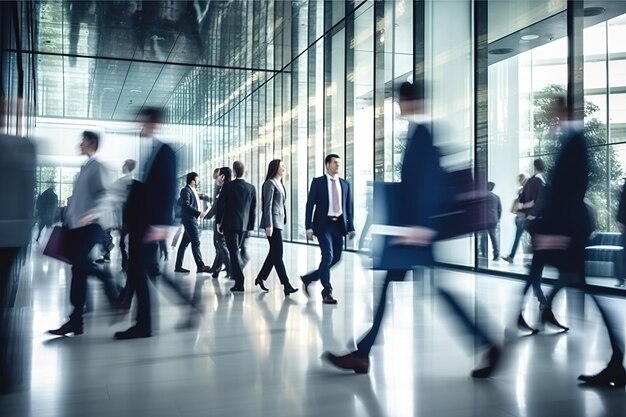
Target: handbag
{"type": "Point", "coordinates": [57, 246]}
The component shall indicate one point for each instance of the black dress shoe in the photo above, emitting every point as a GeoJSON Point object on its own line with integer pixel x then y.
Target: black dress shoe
{"type": "Point", "coordinates": [350, 362]}
{"type": "Point", "coordinates": [68, 327]}
{"type": "Point", "coordinates": [305, 283]}
{"type": "Point", "coordinates": [492, 358]}
{"type": "Point", "coordinates": [288, 289]}
{"type": "Point", "coordinates": [611, 377]}
{"type": "Point", "coordinates": [237, 288]}
{"type": "Point", "coordinates": [328, 299]}
{"type": "Point", "coordinates": [181, 270]}
{"type": "Point", "coordinates": [547, 316]}
{"type": "Point", "coordinates": [260, 283]}
{"type": "Point", "coordinates": [525, 327]}
{"type": "Point", "coordinates": [132, 333]}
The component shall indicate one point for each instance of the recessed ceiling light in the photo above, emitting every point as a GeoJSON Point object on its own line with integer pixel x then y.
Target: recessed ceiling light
{"type": "Point", "coordinates": [135, 91]}
{"type": "Point", "coordinates": [593, 11]}
{"type": "Point", "coordinates": [501, 51]}
{"type": "Point", "coordinates": [107, 89]}
{"type": "Point", "coordinates": [529, 37]}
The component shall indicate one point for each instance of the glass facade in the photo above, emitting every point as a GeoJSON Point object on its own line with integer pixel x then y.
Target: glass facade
{"type": "Point", "coordinates": [520, 130]}
{"type": "Point", "coordinates": [296, 80]}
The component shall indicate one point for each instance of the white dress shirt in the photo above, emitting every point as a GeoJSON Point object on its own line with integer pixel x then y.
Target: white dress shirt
{"type": "Point", "coordinates": [195, 193]}
{"type": "Point", "coordinates": [332, 184]}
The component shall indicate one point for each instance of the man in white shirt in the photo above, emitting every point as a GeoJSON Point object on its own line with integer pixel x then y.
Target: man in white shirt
{"type": "Point", "coordinates": [329, 217]}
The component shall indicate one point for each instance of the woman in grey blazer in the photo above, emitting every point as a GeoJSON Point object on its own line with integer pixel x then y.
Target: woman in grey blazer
{"type": "Point", "coordinates": [273, 219]}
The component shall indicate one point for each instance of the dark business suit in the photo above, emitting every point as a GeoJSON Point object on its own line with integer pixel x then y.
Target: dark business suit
{"type": "Point", "coordinates": [423, 190]}
{"type": "Point", "coordinates": [563, 212]}
{"type": "Point", "coordinates": [150, 203]}
{"type": "Point", "coordinates": [222, 256]}
{"type": "Point", "coordinates": [274, 215]}
{"type": "Point", "coordinates": [329, 231]}
{"type": "Point", "coordinates": [189, 218]}
{"type": "Point", "coordinates": [235, 213]}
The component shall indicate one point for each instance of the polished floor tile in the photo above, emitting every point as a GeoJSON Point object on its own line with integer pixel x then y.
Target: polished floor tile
{"type": "Point", "coordinates": [258, 353]}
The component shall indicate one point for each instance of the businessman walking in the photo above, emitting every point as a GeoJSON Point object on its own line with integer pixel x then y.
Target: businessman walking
{"type": "Point", "coordinates": [329, 211]}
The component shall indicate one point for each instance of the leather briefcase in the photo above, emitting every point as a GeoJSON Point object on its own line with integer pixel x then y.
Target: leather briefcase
{"type": "Point", "coordinates": [57, 246]}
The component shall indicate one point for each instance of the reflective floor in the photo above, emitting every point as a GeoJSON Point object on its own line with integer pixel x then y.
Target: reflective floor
{"type": "Point", "coordinates": [257, 354]}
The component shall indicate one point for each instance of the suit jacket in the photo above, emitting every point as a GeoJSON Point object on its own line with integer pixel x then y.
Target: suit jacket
{"type": "Point", "coordinates": [188, 204]}
{"type": "Point", "coordinates": [564, 211]}
{"type": "Point", "coordinates": [236, 208]}
{"type": "Point", "coordinates": [317, 219]}
{"type": "Point", "coordinates": [216, 195]}
{"type": "Point", "coordinates": [89, 191]}
{"type": "Point", "coordinates": [274, 213]}
{"type": "Point", "coordinates": [417, 200]}
{"type": "Point", "coordinates": [17, 184]}
{"type": "Point", "coordinates": [532, 191]}
{"type": "Point", "coordinates": [152, 198]}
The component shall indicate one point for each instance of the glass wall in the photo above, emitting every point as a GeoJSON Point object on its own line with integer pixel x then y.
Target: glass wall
{"type": "Point", "coordinates": [520, 81]}
{"type": "Point", "coordinates": [308, 78]}
{"type": "Point", "coordinates": [308, 90]}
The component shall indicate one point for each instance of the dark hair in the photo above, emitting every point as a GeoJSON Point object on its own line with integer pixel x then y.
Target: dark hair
{"type": "Point", "coordinates": [539, 165]}
{"type": "Point", "coordinates": [330, 157]}
{"type": "Point", "coordinates": [216, 170]}
{"type": "Point", "coordinates": [238, 168]}
{"type": "Point", "coordinates": [227, 173]}
{"type": "Point", "coordinates": [491, 185]}
{"type": "Point", "coordinates": [191, 176]}
{"type": "Point", "coordinates": [272, 169]}
{"type": "Point", "coordinates": [152, 114]}
{"type": "Point", "coordinates": [130, 164]}
{"type": "Point", "coordinates": [411, 91]}
{"type": "Point", "coordinates": [92, 137]}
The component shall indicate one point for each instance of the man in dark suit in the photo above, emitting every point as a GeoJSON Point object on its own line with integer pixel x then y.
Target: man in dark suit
{"type": "Point", "coordinates": [561, 233]}
{"type": "Point", "coordinates": [424, 195]}
{"type": "Point", "coordinates": [150, 212]}
{"type": "Point", "coordinates": [235, 216]}
{"type": "Point", "coordinates": [329, 218]}
{"type": "Point", "coordinates": [190, 205]}
{"type": "Point", "coordinates": [494, 212]}
{"type": "Point", "coordinates": [222, 256]}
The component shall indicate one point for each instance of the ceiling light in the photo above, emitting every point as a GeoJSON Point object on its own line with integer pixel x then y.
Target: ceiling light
{"type": "Point", "coordinates": [529, 37]}
{"type": "Point", "coordinates": [593, 11]}
{"type": "Point", "coordinates": [135, 91]}
{"type": "Point", "coordinates": [501, 51]}
{"type": "Point", "coordinates": [107, 89]}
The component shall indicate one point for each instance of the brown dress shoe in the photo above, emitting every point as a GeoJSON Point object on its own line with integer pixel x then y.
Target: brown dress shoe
{"type": "Point", "coordinates": [328, 299]}
{"type": "Point", "coordinates": [350, 362]}
{"type": "Point", "coordinates": [205, 268]}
